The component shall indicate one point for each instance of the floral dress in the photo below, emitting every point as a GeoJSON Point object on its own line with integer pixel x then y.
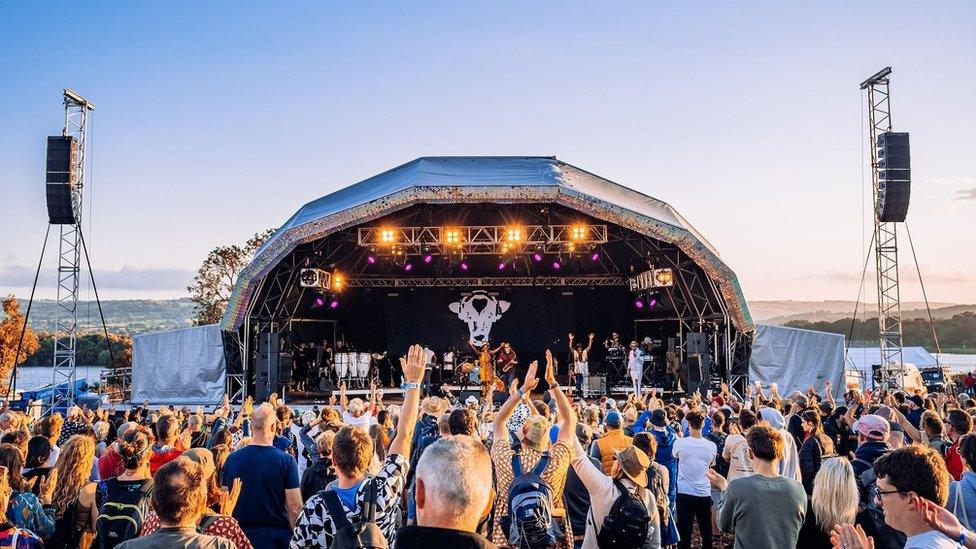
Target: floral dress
{"type": "Point", "coordinates": [25, 511]}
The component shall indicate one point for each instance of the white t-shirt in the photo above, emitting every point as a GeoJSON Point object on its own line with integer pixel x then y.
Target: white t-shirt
{"type": "Point", "coordinates": [694, 456]}
{"type": "Point", "coordinates": [932, 539]}
{"type": "Point", "coordinates": [449, 360]}
{"type": "Point", "coordinates": [737, 453]}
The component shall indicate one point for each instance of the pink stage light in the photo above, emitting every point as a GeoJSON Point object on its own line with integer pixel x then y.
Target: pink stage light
{"type": "Point", "coordinates": [501, 266]}
{"type": "Point", "coordinates": [428, 258]}
{"type": "Point", "coordinates": [464, 265]}
{"type": "Point", "coordinates": [408, 267]}
{"type": "Point", "coordinates": [639, 303]}
{"type": "Point", "coordinates": [537, 257]}
{"type": "Point", "coordinates": [556, 265]}
{"type": "Point", "coordinates": [652, 303]}
{"type": "Point", "coordinates": [371, 259]}
{"type": "Point", "coordinates": [334, 304]}
{"type": "Point", "coordinates": [595, 256]}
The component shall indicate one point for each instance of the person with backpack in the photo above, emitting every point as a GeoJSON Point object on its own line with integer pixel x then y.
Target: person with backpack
{"type": "Point", "coordinates": [764, 510]}
{"type": "Point", "coordinates": [357, 510]}
{"type": "Point", "coordinates": [658, 481]}
{"type": "Point", "coordinates": [321, 473]}
{"type": "Point", "coordinates": [531, 475]}
{"type": "Point", "coordinates": [10, 535]}
{"type": "Point", "coordinates": [454, 491]}
{"type": "Point", "coordinates": [623, 511]}
{"type": "Point", "coordinates": [123, 501]}
{"type": "Point", "coordinates": [179, 496]}
{"type": "Point", "coordinates": [576, 496]}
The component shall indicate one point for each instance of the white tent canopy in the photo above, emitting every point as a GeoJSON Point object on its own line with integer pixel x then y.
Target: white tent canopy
{"type": "Point", "coordinates": [795, 359]}
{"type": "Point", "coordinates": [184, 366]}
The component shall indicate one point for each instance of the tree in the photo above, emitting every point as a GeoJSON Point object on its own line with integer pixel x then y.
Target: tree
{"type": "Point", "coordinates": [10, 330]}
{"type": "Point", "coordinates": [217, 276]}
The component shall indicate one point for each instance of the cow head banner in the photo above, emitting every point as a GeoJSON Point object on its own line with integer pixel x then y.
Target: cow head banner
{"type": "Point", "coordinates": [479, 311]}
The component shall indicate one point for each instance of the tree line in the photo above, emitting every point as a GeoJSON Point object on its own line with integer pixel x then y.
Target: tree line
{"type": "Point", "coordinates": [955, 334]}
{"type": "Point", "coordinates": [90, 350]}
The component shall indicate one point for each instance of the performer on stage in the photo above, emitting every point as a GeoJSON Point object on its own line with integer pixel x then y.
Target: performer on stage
{"type": "Point", "coordinates": [613, 343]}
{"type": "Point", "coordinates": [486, 372]}
{"type": "Point", "coordinates": [672, 363]}
{"type": "Point", "coordinates": [506, 360]}
{"type": "Point", "coordinates": [635, 366]}
{"type": "Point", "coordinates": [581, 366]}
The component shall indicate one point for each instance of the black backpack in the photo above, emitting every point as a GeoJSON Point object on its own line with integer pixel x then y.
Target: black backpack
{"type": "Point", "coordinates": [121, 515]}
{"type": "Point", "coordinates": [530, 523]}
{"type": "Point", "coordinates": [66, 536]}
{"type": "Point", "coordinates": [625, 527]}
{"type": "Point", "coordinates": [872, 516]}
{"type": "Point", "coordinates": [364, 533]}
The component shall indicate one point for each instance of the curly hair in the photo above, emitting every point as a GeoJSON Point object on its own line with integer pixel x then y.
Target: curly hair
{"type": "Point", "coordinates": [73, 468]}
{"type": "Point", "coordinates": [134, 446]}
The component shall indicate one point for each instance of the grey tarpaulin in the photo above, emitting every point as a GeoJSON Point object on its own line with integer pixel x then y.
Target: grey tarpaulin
{"type": "Point", "coordinates": [184, 366]}
{"type": "Point", "coordinates": [795, 359]}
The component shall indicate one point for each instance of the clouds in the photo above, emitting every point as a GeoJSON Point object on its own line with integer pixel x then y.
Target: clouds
{"type": "Point", "coordinates": [126, 278]}
{"type": "Point", "coordinates": [966, 194]}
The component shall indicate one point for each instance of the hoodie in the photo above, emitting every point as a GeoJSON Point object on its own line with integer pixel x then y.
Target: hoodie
{"type": "Point", "coordinates": [867, 453]}
{"type": "Point", "coordinates": [789, 466]}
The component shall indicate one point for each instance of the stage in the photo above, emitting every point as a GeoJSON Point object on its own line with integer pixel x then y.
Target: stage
{"type": "Point", "coordinates": [456, 252]}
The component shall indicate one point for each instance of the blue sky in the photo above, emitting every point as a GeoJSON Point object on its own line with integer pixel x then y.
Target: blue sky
{"type": "Point", "coordinates": [216, 120]}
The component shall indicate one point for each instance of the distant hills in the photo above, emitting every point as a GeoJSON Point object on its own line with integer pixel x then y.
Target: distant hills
{"type": "Point", "coordinates": [134, 316]}
{"type": "Point", "coordinates": [128, 316]}
{"type": "Point", "coordinates": [781, 312]}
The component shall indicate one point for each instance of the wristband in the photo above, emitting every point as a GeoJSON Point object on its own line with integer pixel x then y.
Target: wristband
{"type": "Point", "coordinates": [521, 393]}
{"type": "Point", "coordinates": [407, 385]}
{"type": "Point", "coordinates": [963, 537]}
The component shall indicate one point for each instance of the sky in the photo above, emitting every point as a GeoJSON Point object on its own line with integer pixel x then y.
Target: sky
{"type": "Point", "coordinates": [217, 120]}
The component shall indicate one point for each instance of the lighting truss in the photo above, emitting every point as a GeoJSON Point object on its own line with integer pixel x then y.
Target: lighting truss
{"type": "Point", "coordinates": [886, 242]}
{"type": "Point", "coordinates": [482, 239]}
{"type": "Point", "coordinates": [486, 281]}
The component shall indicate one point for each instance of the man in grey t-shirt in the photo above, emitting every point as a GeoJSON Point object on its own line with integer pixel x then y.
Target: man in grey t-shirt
{"type": "Point", "coordinates": [764, 510]}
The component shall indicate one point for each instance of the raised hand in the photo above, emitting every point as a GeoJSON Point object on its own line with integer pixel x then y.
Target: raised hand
{"type": "Point", "coordinates": [413, 365]}
{"type": "Point", "coordinates": [571, 336]}
{"type": "Point", "coordinates": [717, 480]}
{"type": "Point", "coordinates": [273, 400]}
{"type": "Point", "coordinates": [513, 388]}
{"type": "Point", "coordinates": [846, 536]}
{"type": "Point", "coordinates": [592, 336]}
{"type": "Point", "coordinates": [551, 375]}
{"type": "Point", "coordinates": [248, 406]}
{"type": "Point", "coordinates": [530, 377]}
{"type": "Point", "coordinates": [228, 499]}
{"type": "Point", "coordinates": [332, 399]}
{"type": "Point", "coordinates": [940, 518]}
{"type": "Point", "coordinates": [47, 487]}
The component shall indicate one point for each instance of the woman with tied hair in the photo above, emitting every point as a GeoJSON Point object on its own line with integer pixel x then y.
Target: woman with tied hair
{"type": "Point", "coordinates": [834, 502]}
{"type": "Point", "coordinates": [815, 447]}
{"type": "Point", "coordinates": [135, 482]}
{"type": "Point", "coordinates": [25, 510]}
{"type": "Point", "coordinates": [10, 535]}
{"type": "Point", "coordinates": [101, 436]}
{"type": "Point", "coordinates": [35, 464]}
{"type": "Point", "coordinates": [74, 497]}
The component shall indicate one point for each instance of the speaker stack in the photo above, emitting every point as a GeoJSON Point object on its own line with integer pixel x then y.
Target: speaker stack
{"type": "Point", "coordinates": [266, 379]}
{"type": "Point", "coordinates": [894, 177]}
{"type": "Point", "coordinates": [61, 177]}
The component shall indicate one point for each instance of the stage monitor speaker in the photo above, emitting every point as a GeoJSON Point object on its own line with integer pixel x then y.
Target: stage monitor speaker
{"type": "Point", "coordinates": [284, 368]}
{"type": "Point", "coordinates": [696, 342]}
{"type": "Point", "coordinates": [61, 177]}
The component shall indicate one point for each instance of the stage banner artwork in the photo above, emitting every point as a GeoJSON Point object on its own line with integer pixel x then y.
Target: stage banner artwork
{"type": "Point", "coordinates": [184, 366]}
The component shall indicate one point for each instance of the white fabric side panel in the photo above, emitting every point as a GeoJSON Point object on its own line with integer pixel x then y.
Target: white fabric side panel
{"type": "Point", "coordinates": [184, 366]}
{"type": "Point", "coordinates": [796, 359]}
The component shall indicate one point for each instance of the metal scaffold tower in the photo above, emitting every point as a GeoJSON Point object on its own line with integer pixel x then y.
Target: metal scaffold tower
{"type": "Point", "coordinates": [76, 112]}
{"type": "Point", "coordinates": [885, 239]}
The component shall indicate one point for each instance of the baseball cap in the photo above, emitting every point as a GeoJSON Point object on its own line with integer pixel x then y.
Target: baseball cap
{"type": "Point", "coordinates": [613, 419]}
{"type": "Point", "coordinates": [917, 400]}
{"type": "Point", "coordinates": [204, 458]}
{"type": "Point", "coordinates": [873, 427]}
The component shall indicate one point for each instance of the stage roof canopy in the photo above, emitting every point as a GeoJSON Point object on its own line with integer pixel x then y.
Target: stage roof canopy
{"type": "Point", "coordinates": [454, 180]}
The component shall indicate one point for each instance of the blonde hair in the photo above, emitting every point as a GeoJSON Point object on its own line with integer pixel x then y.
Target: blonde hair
{"type": "Point", "coordinates": [835, 495]}
{"type": "Point", "coordinates": [74, 467]}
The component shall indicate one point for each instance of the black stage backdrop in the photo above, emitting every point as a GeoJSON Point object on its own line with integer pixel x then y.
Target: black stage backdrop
{"type": "Point", "coordinates": [537, 319]}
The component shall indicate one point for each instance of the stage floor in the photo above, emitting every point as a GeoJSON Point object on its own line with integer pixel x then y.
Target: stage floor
{"type": "Point", "coordinates": [396, 395]}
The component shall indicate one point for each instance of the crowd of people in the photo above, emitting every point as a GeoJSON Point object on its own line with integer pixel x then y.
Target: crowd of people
{"type": "Point", "coordinates": [758, 469]}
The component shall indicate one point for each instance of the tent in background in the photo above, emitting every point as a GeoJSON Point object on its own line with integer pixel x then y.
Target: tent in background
{"type": "Point", "coordinates": [796, 359]}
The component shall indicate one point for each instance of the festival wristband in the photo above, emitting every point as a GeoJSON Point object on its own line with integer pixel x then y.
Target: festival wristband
{"type": "Point", "coordinates": [963, 537]}
{"type": "Point", "coordinates": [407, 385]}
{"type": "Point", "coordinates": [521, 393]}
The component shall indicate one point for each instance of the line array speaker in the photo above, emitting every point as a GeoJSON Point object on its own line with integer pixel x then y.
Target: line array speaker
{"type": "Point", "coordinates": [61, 177]}
{"type": "Point", "coordinates": [894, 177]}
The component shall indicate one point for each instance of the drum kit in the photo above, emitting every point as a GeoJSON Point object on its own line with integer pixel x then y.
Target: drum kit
{"type": "Point", "coordinates": [353, 369]}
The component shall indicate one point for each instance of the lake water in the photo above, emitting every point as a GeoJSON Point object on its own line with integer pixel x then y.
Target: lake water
{"type": "Point", "coordinates": [30, 378]}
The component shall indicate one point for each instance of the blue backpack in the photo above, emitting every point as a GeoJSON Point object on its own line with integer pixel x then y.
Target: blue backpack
{"type": "Point", "coordinates": [530, 523]}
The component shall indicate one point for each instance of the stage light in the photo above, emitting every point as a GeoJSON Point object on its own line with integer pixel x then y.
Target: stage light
{"type": "Point", "coordinates": [514, 234]}
{"type": "Point", "coordinates": [537, 257]}
{"type": "Point", "coordinates": [639, 303]}
{"type": "Point", "coordinates": [319, 301]}
{"type": "Point", "coordinates": [595, 256]}
{"type": "Point", "coordinates": [371, 259]}
{"type": "Point", "coordinates": [571, 247]}
{"type": "Point", "coordinates": [579, 232]}
{"type": "Point", "coordinates": [652, 303]}
{"type": "Point", "coordinates": [663, 277]}
{"type": "Point", "coordinates": [334, 304]}
{"type": "Point", "coordinates": [428, 258]}
{"type": "Point", "coordinates": [387, 236]}
{"type": "Point", "coordinates": [338, 281]}
{"type": "Point", "coordinates": [464, 265]}
{"type": "Point", "coordinates": [556, 265]}
{"type": "Point", "coordinates": [408, 267]}
{"type": "Point", "coordinates": [452, 236]}
{"type": "Point", "coordinates": [501, 266]}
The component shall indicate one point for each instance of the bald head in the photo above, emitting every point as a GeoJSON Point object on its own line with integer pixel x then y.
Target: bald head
{"type": "Point", "coordinates": [263, 420]}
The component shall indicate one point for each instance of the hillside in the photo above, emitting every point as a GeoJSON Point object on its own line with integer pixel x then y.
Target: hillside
{"type": "Point", "coordinates": [781, 312]}
{"type": "Point", "coordinates": [130, 316]}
